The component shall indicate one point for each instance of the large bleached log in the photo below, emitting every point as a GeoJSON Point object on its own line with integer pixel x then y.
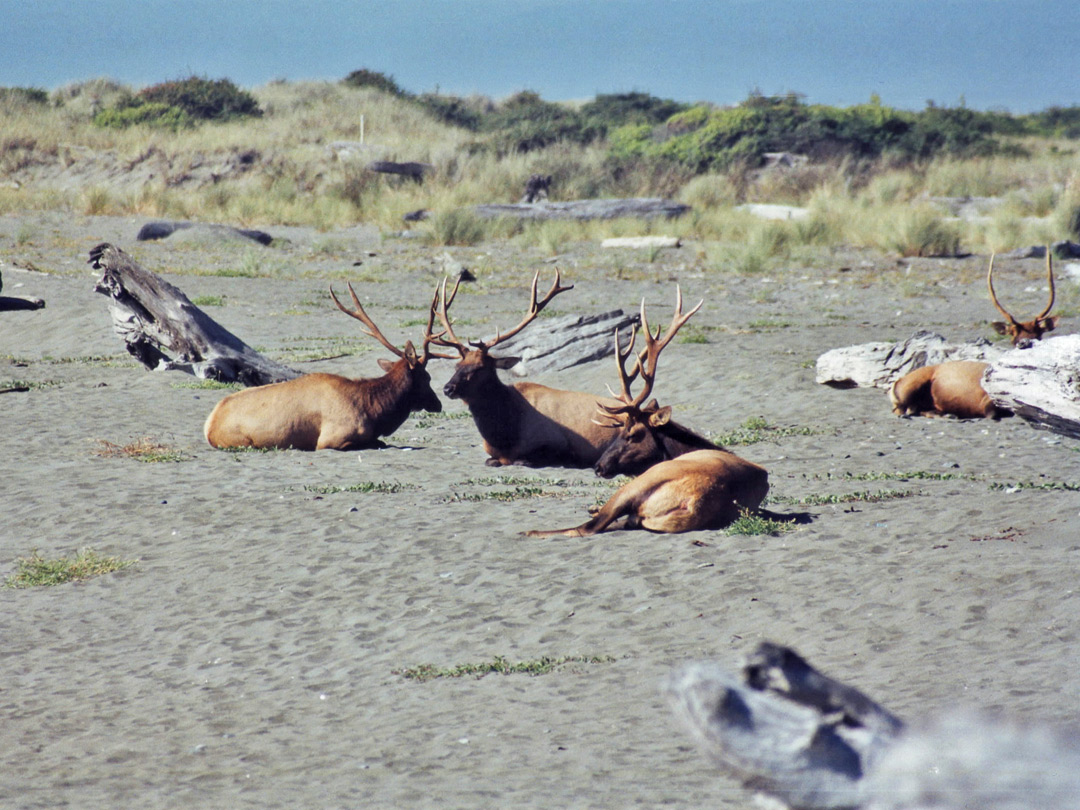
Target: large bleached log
{"type": "Point", "coordinates": [638, 207]}
{"type": "Point", "coordinates": [811, 742]}
{"type": "Point", "coordinates": [1040, 383]}
{"type": "Point", "coordinates": [878, 364]}
{"type": "Point", "coordinates": [154, 319]}
{"type": "Point", "coordinates": [783, 728]}
{"type": "Point", "coordinates": [553, 344]}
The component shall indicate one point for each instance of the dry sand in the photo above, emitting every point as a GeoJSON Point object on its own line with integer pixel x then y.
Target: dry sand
{"type": "Point", "coordinates": [250, 657]}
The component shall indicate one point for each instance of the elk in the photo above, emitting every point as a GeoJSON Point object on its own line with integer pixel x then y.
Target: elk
{"type": "Point", "coordinates": [954, 387]}
{"type": "Point", "coordinates": [645, 433]}
{"type": "Point", "coordinates": [526, 423]}
{"type": "Point", "coordinates": [1024, 330]}
{"type": "Point", "coordinates": [688, 483]}
{"type": "Point", "coordinates": [328, 411]}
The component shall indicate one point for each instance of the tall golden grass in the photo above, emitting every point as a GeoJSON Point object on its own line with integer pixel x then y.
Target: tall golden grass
{"type": "Point", "coordinates": [300, 179]}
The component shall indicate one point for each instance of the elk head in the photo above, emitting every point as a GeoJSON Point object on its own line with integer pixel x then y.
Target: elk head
{"type": "Point", "coordinates": [477, 368]}
{"type": "Point", "coordinates": [637, 445]}
{"type": "Point", "coordinates": [409, 368]}
{"type": "Point", "coordinates": [1024, 330]}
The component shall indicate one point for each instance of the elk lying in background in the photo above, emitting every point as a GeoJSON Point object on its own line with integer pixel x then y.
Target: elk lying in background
{"type": "Point", "coordinates": [645, 434]}
{"type": "Point", "coordinates": [525, 423]}
{"type": "Point", "coordinates": [952, 388]}
{"type": "Point", "coordinates": [327, 411]}
{"type": "Point", "coordinates": [1024, 330]}
{"type": "Point", "coordinates": [697, 489]}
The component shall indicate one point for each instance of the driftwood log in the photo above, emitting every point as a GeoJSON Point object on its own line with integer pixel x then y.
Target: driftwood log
{"type": "Point", "coordinates": [1040, 383]}
{"type": "Point", "coordinates": [638, 207]}
{"type": "Point", "coordinates": [162, 229]}
{"type": "Point", "coordinates": [808, 741]}
{"type": "Point", "coordinates": [414, 171]}
{"type": "Point", "coordinates": [878, 364]}
{"type": "Point", "coordinates": [155, 319]}
{"type": "Point", "coordinates": [558, 343]}
{"type": "Point", "coordinates": [17, 302]}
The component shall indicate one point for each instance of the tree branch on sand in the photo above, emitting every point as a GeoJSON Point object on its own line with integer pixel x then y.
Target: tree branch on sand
{"type": "Point", "coordinates": [156, 320]}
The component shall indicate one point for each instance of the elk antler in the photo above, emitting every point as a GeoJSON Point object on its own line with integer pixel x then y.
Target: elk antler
{"type": "Point", "coordinates": [1017, 329]}
{"type": "Point", "coordinates": [446, 337]}
{"type": "Point", "coordinates": [358, 313]}
{"type": "Point", "coordinates": [645, 366]}
{"type": "Point", "coordinates": [534, 310]}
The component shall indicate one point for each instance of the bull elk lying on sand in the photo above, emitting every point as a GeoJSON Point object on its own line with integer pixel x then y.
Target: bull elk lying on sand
{"type": "Point", "coordinates": [695, 489]}
{"type": "Point", "coordinates": [525, 423]}
{"type": "Point", "coordinates": [956, 387]}
{"type": "Point", "coordinates": [327, 411]}
{"type": "Point", "coordinates": [1021, 330]}
{"type": "Point", "coordinates": [952, 388]}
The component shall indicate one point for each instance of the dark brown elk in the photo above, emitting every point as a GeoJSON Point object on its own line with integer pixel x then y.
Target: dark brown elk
{"type": "Point", "coordinates": [697, 489]}
{"type": "Point", "coordinates": [948, 388]}
{"type": "Point", "coordinates": [1024, 330]}
{"type": "Point", "coordinates": [645, 434]}
{"type": "Point", "coordinates": [328, 411]}
{"type": "Point", "coordinates": [525, 423]}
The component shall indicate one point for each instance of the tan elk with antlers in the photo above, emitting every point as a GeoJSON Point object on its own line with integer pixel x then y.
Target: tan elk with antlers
{"type": "Point", "coordinates": [691, 489]}
{"type": "Point", "coordinates": [328, 411]}
{"type": "Point", "coordinates": [525, 423]}
{"type": "Point", "coordinates": [1024, 330]}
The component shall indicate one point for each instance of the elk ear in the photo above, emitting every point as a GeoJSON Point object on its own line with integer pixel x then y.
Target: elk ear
{"type": "Point", "coordinates": [385, 364]}
{"type": "Point", "coordinates": [506, 362]}
{"type": "Point", "coordinates": [410, 353]}
{"type": "Point", "coordinates": [1048, 324]}
{"type": "Point", "coordinates": [661, 417]}
{"type": "Point", "coordinates": [1000, 327]}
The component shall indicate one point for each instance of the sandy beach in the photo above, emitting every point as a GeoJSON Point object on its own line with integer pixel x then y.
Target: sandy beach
{"type": "Point", "coordinates": [254, 655]}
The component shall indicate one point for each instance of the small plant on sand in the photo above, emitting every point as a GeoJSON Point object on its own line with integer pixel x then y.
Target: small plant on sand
{"type": "Point", "coordinates": [36, 570]}
{"type": "Point", "coordinates": [209, 301]}
{"type": "Point", "coordinates": [145, 449]}
{"type": "Point", "coordinates": [500, 666]}
{"type": "Point", "coordinates": [389, 487]}
{"type": "Point", "coordinates": [1062, 486]}
{"type": "Point", "coordinates": [757, 429]}
{"type": "Point", "coordinates": [750, 524]}
{"type": "Point", "coordinates": [864, 496]}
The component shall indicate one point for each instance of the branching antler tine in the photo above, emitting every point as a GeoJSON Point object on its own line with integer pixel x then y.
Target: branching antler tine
{"type": "Point", "coordinates": [993, 296]}
{"type": "Point", "coordinates": [430, 336]}
{"type": "Point", "coordinates": [534, 310]}
{"type": "Point", "coordinates": [447, 336]}
{"type": "Point", "coordinates": [358, 313]}
{"type": "Point", "coordinates": [647, 359]}
{"type": "Point", "coordinates": [1050, 279]}
{"type": "Point", "coordinates": [626, 379]}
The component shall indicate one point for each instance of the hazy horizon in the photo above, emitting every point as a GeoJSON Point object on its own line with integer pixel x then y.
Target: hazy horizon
{"type": "Point", "coordinates": [987, 54]}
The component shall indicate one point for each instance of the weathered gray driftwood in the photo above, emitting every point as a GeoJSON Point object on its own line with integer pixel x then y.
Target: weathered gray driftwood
{"type": "Point", "coordinates": [1040, 383]}
{"type": "Point", "coordinates": [16, 302]}
{"type": "Point", "coordinates": [641, 207]}
{"type": "Point", "coordinates": [641, 242]}
{"type": "Point", "coordinates": [162, 229]}
{"type": "Point", "coordinates": [153, 317]}
{"type": "Point", "coordinates": [811, 742]}
{"type": "Point", "coordinates": [415, 171]}
{"type": "Point", "coordinates": [558, 343]}
{"type": "Point", "coordinates": [878, 364]}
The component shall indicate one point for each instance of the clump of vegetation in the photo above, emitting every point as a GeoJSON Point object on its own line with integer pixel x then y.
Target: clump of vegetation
{"type": "Point", "coordinates": [182, 103]}
{"type": "Point", "coordinates": [500, 666]}
{"type": "Point", "coordinates": [146, 449]}
{"type": "Point", "coordinates": [752, 524]}
{"type": "Point", "coordinates": [374, 79]}
{"type": "Point", "coordinates": [757, 429]}
{"type": "Point", "coordinates": [22, 95]}
{"type": "Point", "coordinates": [36, 570]}
{"type": "Point", "coordinates": [386, 487]}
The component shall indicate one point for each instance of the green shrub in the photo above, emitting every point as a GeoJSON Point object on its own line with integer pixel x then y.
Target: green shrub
{"type": "Point", "coordinates": [153, 114]}
{"type": "Point", "coordinates": [23, 95]}
{"type": "Point", "coordinates": [372, 78]}
{"type": "Point", "coordinates": [202, 99]}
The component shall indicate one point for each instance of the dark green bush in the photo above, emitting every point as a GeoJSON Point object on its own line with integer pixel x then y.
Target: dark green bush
{"type": "Point", "coordinates": [23, 95]}
{"type": "Point", "coordinates": [372, 78]}
{"type": "Point", "coordinates": [454, 110]}
{"type": "Point", "coordinates": [202, 99]}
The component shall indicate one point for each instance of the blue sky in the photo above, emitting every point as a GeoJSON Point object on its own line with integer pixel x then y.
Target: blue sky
{"type": "Point", "coordinates": [1016, 55]}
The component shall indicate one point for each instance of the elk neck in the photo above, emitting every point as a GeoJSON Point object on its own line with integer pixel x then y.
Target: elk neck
{"type": "Point", "coordinates": [676, 440]}
{"type": "Point", "coordinates": [385, 399]}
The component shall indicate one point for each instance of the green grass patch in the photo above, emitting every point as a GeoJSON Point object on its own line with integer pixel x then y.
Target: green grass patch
{"type": "Point", "coordinates": [385, 487]}
{"type": "Point", "coordinates": [209, 385]}
{"type": "Point", "coordinates": [35, 570]}
{"type": "Point", "coordinates": [518, 493]}
{"type": "Point", "coordinates": [750, 524]}
{"type": "Point", "coordinates": [146, 449]}
{"type": "Point", "coordinates": [756, 429]}
{"type": "Point", "coordinates": [864, 496]}
{"type": "Point", "coordinates": [1060, 486]}
{"type": "Point", "coordinates": [911, 475]}
{"type": "Point", "coordinates": [500, 666]}
{"type": "Point", "coordinates": [209, 301]}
